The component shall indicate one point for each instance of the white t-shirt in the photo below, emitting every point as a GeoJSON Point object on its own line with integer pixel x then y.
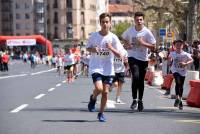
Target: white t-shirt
{"type": "Point", "coordinates": [119, 63]}
{"type": "Point", "coordinates": [59, 62]}
{"type": "Point", "coordinates": [176, 59]}
{"type": "Point", "coordinates": [87, 59]}
{"type": "Point", "coordinates": [103, 61]}
{"type": "Point", "coordinates": [69, 59]}
{"type": "Point", "coordinates": [138, 51]}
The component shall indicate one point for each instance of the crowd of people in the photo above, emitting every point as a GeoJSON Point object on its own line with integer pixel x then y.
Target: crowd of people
{"type": "Point", "coordinates": [109, 60]}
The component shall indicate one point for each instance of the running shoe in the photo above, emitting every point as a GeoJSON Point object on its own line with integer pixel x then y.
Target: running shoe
{"type": "Point", "coordinates": [176, 103]}
{"type": "Point", "coordinates": [134, 104]}
{"type": "Point", "coordinates": [118, 100]}
{"type": "Point", "coordinates": [101, 117]}
{"type": "Point", "coordinates": [91, 105]}
{"type": "Point", "coordinates": [180, 105]}
{"type": "Point", "coordinates": [140, 106]}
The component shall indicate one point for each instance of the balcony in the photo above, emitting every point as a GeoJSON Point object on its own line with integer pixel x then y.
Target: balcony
{"type": "Point", "coordinates": [39, 1]}
{"type": "Point", "coordinates": [40, 29]}
{"type": "Point", "coordinates": [39, 10]}
{"type": "Point", "coordinates": [40, 20]}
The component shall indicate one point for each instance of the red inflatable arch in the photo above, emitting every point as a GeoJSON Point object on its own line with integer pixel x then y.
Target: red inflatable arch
{"type": "Point", "coordinates": [39, 39]}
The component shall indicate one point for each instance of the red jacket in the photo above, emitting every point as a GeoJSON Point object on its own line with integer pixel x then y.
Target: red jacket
{"type": "Point", "coordinates": [5, 58]}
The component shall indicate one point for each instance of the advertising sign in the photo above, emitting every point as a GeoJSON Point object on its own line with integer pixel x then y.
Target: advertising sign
{"type": "Point", "coordinates": [21, 42]}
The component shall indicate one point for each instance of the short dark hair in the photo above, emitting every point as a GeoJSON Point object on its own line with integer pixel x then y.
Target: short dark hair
{"type": "Point", "coordinates": [139, 14]}
{"type": "Point", "coordinates": [178, 41]}
{"type": "Point", "coordinates": [196, 41]}
{"type": "Point", "coordinates": [103, 15]}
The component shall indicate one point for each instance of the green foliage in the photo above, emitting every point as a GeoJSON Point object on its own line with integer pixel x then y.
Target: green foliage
{"type": "Point", "coordinates": [158, 25]}
{"type": "Point", "coordinates": [120, 28]}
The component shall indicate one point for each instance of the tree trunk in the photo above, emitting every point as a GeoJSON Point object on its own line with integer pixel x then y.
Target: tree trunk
{"type": "Point", "coordinates": [191, 20]}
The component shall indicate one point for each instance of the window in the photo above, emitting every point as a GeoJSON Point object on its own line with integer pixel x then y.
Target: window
{"type": "Point", "coordinates": [17, 6]}
{"type": "Point", "coordinates": [82, 4]}
{"type": "Point", "coordinates": [27, 26]}
{"type": "Point", "coordinates": [55, 18]}
{"type": "Point", "coordinates": [113, 22]}
{"type": "Point", "coordinates": [92, 7]}
{"type": "Point", "coordinates": [18, 26]}
{"type": "Point", "coordinates": [55, 33]}
{"type": "Point", "coordinates": [18, 16]}
{"type": "Point", "coordinates": [82, 17]}
{"type": "Point", "coordinates": [26, 6]}
{"type": "Point", "coordinates": [69, 3]}
{"type": "Point", "coordinates": [82, 32]}
{"type": "Point", "coordinates": [69, 30]}
{"type": "Point", "coordinates": [27, 16]}
{"type": "Point", "coordinates": [69, 17]}
{"type": "Point", "coordinates": [55, 4]}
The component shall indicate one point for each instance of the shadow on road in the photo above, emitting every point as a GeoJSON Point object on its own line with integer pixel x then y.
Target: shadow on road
{"type": "Point", "coordinates": [165, 113]}
{"type": "Point", "coordinates": [79, 121]}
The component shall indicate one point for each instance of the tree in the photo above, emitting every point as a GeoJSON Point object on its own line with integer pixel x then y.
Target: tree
{"type": "Point", "coordinates": [184, 15]}
{"type": "Point", "coordinates": [120, 28]}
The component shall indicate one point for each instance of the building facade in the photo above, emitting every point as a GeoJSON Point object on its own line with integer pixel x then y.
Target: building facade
{"type": "Point", "coordinates": [121, 13]}
{"type": "Point", "coordinates": [61, 21]}
{"type": "Point", "coordinates": [6, 17]}
{"type": "Point", "coordinates": [23, 17]}
{"type": "Point", "coordinates": [129, 2]}
{"type": "Point", "coordinates": [73, 20]}
{"type": "Point", "coordinates": [39, 17]}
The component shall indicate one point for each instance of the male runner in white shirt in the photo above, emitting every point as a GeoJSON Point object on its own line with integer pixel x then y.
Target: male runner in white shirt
{"type": "Point", "coordinates": [103, 46]}
{"type": "Point", "coordinates": [138, 40]}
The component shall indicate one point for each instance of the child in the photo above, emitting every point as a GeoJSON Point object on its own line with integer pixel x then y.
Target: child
{"type": "Point", "coordinates": [59, 63]}
{"type": "Point", "coordinates": [179, 60]}
{"type": "Point", "coordinates": [69, 61]}
{"type": "Point", "coordinates": [118, 80]}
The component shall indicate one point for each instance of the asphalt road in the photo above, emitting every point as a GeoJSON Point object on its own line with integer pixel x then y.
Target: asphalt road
{"type": "Point", "coordinates": [39, 101]}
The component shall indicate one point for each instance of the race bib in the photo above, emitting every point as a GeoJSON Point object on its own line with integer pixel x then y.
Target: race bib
{"type": "Point", "coordinates": [118, 61]}
{"type": "Point", "coordinates": [103, 53]}
{"type": "Point", "coordinates": [134, 43]}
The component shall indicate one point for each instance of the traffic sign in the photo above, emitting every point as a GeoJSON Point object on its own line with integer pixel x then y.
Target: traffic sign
{"type": "Point", "coordinates": [169, 34]}
{"type": "Point", "coordinates": [162, 32]}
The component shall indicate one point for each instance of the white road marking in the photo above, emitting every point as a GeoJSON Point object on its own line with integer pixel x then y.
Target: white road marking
{"type": "Point", "coordinates": [189, 121]}
{"type": "Point", "coordinates": [39, 96]}
{"type": "Point", "coordinates": [110, 104]}
{"type": "Point", "coordinates": [25, 74]}
{"type": "Point", "coordinates": [43, 71]}
{"type": "Point", "coordinates": [13, 76]}
{"type": "Point", "coordinates": [160, 91]}
{"type": "Point", "coordinates": [51, 89]}
{"type": "Point", "coordinates": [184, 108]}
{"type": "Point", "coordinates": [64, 81]}
{"type": "Point", "coordinates": [58, 85]}
{"type": "Point", "coordinates": [19, 108]}
{"type": "Point", "coordinates": [120, 103]}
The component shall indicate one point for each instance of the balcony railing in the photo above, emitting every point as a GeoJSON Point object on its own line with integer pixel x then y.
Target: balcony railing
{"type": "Point", "coordinates": [39, 10]}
